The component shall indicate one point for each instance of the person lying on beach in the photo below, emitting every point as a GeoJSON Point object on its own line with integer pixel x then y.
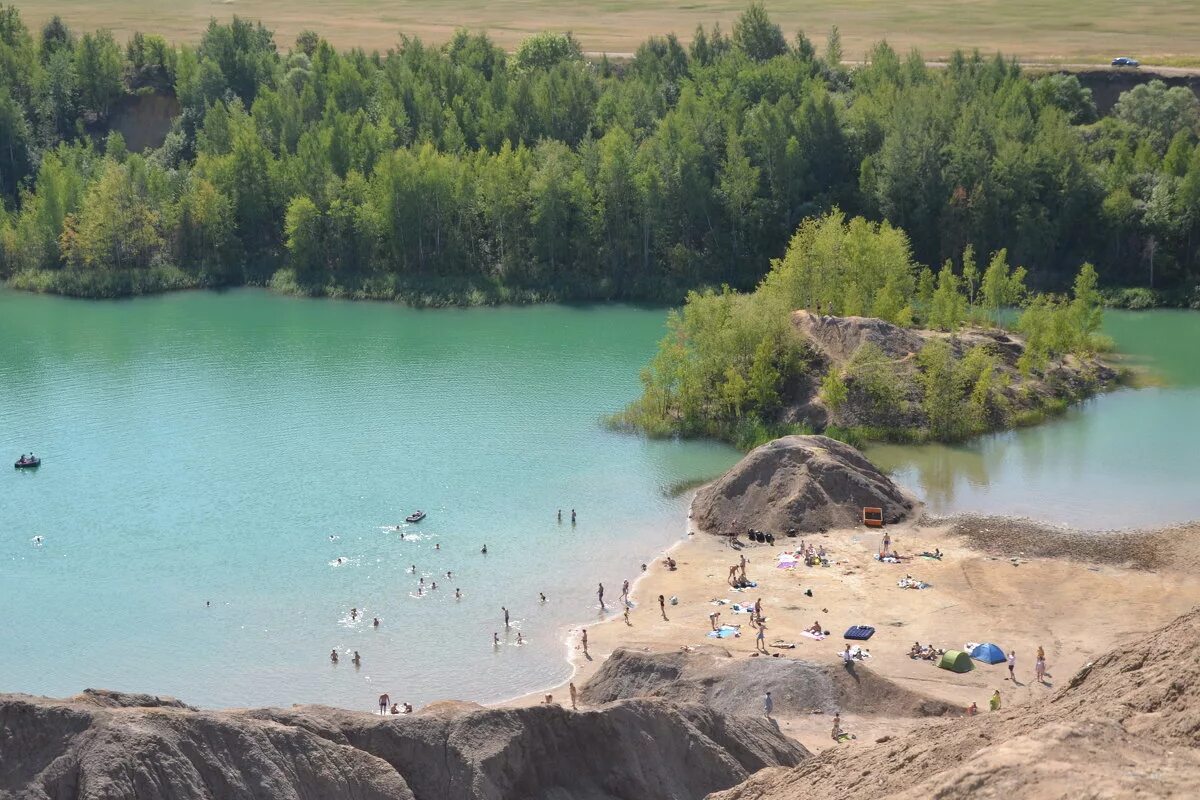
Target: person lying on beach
{"type": "Point", "coordinates": [937, 553]}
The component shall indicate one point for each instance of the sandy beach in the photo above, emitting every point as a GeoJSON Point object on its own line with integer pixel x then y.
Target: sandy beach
{"type": "Point", "coordinates": [1011, 582]}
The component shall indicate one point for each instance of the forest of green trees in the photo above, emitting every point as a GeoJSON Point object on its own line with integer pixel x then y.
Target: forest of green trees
{"type": "Point", "coordinates": [465, 173]}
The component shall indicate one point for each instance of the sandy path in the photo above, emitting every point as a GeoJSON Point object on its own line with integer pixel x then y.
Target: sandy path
{"type": "Point", "coordinates": [1072, 608]}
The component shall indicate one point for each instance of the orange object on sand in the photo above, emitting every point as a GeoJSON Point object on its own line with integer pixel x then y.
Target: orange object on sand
{"type": "Point", "coordinates": [873, 517]}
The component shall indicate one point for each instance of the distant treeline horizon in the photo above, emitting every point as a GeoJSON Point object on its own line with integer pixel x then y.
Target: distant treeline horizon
{"type": "Point", "coordinates": [464, 173]}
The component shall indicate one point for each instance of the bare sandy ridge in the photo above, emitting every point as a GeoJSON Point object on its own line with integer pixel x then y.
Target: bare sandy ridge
{"type": "Point", "coordinates": [1004, 581]}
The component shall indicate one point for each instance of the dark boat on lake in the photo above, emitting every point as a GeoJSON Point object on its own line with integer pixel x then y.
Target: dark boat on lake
{"type": "Point", "coordinates": [27, 463]}
{"type": "Point", "coordinates": [416, 516]}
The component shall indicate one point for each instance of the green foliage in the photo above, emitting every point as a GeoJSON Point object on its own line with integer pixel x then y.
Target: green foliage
{"type": "Point", "coordinates": [757, 36]}
{"type": "Point", "coordinates": [546, 50]}
{"type": "Point", "coordinates": [541, 174]}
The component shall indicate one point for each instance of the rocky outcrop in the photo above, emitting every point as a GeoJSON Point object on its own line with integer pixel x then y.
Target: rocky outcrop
{"type": "Point", "coordinates": [1126, 726]}
{"type": "Point", "coordinates": [885, 393]}
{"type": "Point", "coordinates": [85, 749]}
{"type": "Point", "coordinates": [810, 483]}
{"type": "Point", "coordinates": [712, 677]}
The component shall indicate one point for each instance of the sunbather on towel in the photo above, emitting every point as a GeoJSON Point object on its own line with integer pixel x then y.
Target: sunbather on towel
{"type": "Point", "coordinates": [815, 627]}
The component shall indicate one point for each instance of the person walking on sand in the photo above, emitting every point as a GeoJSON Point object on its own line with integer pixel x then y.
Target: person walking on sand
{"type": "Point", "coordinates": [1012, 665]}
{"type": "Point", "coordinates": [384, 702]}
{"type": "Point", "coordinates": [887, 542]}
{"type": "Point", "coordinates": [600, 595]}
{"type": "Point", "coordinates": [662, 606]}
{"type": "Point", "coordinates": [760, 639]}
{"type": "Point", "coordinates": [742, 566]}
{"type": "Point", "coordinates": [768, 704]}
{"type": "Point", "coordinates": [584, 638]}
{"type": "Point", "coordinates": [573, 695]}
{"type": "Point", "coordinates": [1039, 666]}
{"type": "Point", "coordinates": [626, 615]}
{"type": "Point", "coordinates": [994, 703]}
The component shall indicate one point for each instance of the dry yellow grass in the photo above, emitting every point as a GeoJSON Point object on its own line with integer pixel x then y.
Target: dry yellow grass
{"type": "Point", "coordinates": [1163, 31]}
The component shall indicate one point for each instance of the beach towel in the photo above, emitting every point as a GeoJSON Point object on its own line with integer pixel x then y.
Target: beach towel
{"type": "Point", "coordinates": [859, 632]}
{"type": "Point", "coordinates": [859, 653]}
{"type": "Point", "coordinates": [886, 559]}
{"type": "Point", "coordinates": [738, 608]}
{"type": "Point", "coordinates": [818, 636]}
{"type": "Point", "coordinates": [911, 583]}
{"type": "Point", "coordinates": [724, 632]}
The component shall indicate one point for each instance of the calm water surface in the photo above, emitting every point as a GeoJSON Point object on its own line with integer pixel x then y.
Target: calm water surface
{"type": "Point", "coordinates": [204, 447]}
{"type": "Point", "coordinates": [1128, 458]}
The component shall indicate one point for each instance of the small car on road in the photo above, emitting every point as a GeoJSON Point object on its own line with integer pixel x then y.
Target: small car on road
{"type": "Point", "coordinates": [1123, 61]}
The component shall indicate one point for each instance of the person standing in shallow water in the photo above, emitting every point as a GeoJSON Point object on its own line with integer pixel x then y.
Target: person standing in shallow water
{"type": "Point", "coordinates": [333, 655]}
{"type": "Point", "coordinates": [600, 595]}
{"type": "Point", "coordinates": [505, 610]}
{"type": "Point", "coordinates": [560, 516]}
{"type": "Point", "coordinates": [572, 516]}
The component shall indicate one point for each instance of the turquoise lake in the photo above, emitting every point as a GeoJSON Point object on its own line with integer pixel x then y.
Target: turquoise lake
{"type": "Point", "coordinates": [205, 447]}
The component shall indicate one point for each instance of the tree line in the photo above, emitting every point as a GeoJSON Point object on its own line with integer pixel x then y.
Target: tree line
{"type": "Point", "coordinates": [466, 173]}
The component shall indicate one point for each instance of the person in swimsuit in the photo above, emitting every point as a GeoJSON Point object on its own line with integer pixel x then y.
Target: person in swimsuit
{"type": "Point", "coordinates": [384, 702]}
{"type": "Point", "coordinates": [333, 655]}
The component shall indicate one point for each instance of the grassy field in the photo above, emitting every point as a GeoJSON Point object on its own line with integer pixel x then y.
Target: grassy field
{"type": "Point", "coordinates": [1084, 31]}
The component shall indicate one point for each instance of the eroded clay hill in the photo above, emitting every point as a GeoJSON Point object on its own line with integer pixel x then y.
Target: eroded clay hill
{"type": "Point", "coordinates": [107, 746]}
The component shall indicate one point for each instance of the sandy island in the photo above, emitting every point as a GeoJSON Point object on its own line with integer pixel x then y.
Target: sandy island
{"type": "Point", "coordinates": [1008, 581]}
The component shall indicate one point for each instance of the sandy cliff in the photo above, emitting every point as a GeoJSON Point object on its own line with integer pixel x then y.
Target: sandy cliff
{"type": "Point", "coordinates": [108, 745]}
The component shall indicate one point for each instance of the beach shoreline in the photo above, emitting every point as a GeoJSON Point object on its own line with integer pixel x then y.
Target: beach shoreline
{"type": "Point", "coordinates": [1043, 594]}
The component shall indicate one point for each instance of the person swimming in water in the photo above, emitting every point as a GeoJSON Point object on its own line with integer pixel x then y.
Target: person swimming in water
{"type": "Point", "coordinates": [437, 546]}
{"type": "Point", "coordinates": [495, 639]}
{"type": "Point", "coordinates": [333, 655]}
{"type": "Point", "coordinates": [520, 640]}
{"type": "Point", "coordinates": [484, 550]}
{"type": "Point", "coordinates": [543, 596]}
{"type": "Point", "coordinates": [357, 659]}
{"type": "Point", "coordinates": [457, 594]}
{"type": "Point", "coordinates": [354, 613]}
{"type": "Point", "coordinates": [375, 623]}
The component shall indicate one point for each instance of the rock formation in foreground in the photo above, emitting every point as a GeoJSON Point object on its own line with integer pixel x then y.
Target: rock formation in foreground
{"type": "Point", "coordinates": [106, 745]}
{"type": "Point", "coordinates": [1126, 726]}
{"type": "Point", "coordinates": [713, 677]}
{"type": "Point", "coordinates": [810, 483]}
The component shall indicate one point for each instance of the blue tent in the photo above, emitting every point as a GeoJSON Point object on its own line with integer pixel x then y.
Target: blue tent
{"type": "Point", "coordinates": [988, 653]}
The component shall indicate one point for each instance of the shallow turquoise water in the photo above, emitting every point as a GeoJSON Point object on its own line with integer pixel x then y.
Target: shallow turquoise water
{"type": "Point", "coordinates": [1130, 458]}
{"type": "Point", "coordinates": [204, 447]}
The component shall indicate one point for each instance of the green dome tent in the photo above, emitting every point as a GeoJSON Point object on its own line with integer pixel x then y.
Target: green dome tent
{"type": "Point", "coordinates": [956, 661]}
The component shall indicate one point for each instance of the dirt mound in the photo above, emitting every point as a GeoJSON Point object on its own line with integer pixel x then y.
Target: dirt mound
{"type": "Point", "coordinates": [810, 483]}
{"type": "Point", "coordinates": [1128, 725]}
{"type": "Point", "coordinates": [81, 749]}
{"type": "Point", "coordinates": [713, 677]}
